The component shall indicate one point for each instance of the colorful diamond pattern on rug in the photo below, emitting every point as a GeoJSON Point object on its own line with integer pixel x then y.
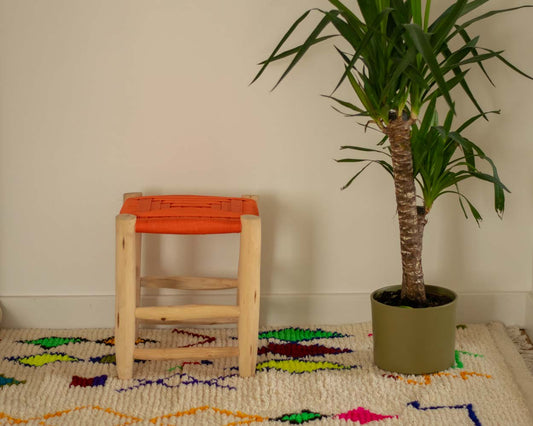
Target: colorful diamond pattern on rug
{"type": "Point", "coordinates": [298, 366]}
{"type": "Point", "coordinates": [291, 334]}
{"type": "Point", "coordinates": [53, 341]}
{"type": "Point", "coordinates": [305, 375]}
{"type": "Point", "coordinates": [360, 415]}
{"type": "Point", "coordinates": [296, 350]}
{"type": "Point", "coordinates": [8, 381]}
{"type": "Point", "coordinates": [86, 382]}
{"type": "Point", "coordinates": [363, 416]}
{"type": "Point", "coordinates": [104, 359]}
{"type": "Point", "coordinates": [300, 418]}
{"type": "Point", "coordinates": [43, 359]}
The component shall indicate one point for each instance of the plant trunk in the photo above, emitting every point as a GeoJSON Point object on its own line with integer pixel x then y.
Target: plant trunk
{"type": "Point", "coordinates": [410, 221]}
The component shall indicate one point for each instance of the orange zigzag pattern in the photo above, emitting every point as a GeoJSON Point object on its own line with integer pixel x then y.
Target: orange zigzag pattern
{"type": "Point", "coordinates": [247, 418]}
{"type": "Point", "coordinates": [16, 421]}
{"type": "Point", "coordinates": [428, 378]}
{"type": "Point", "coordinates": [6, 419]}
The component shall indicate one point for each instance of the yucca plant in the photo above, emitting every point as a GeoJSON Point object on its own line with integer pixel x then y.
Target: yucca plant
{"type": "Point", "coordinates": [400, 63]}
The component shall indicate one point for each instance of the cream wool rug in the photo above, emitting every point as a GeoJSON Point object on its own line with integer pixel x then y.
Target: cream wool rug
{"type": "Point", "coordinates": [312, 375]}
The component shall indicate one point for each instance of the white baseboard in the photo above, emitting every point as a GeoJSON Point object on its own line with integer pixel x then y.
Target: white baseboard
{"type": "Point", "coordinates": [511, 308]}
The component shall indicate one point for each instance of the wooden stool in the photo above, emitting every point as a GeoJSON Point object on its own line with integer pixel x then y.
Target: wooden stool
{"type": "Point", "coordinates": [186, 214]}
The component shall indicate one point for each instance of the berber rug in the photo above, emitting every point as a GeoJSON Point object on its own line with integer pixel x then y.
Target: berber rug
{"type": "Point", "coordinates": [316, 375]}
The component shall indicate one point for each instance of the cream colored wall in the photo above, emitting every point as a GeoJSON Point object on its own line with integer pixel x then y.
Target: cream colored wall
{"type": "Point", "coordinates": [103, 97]}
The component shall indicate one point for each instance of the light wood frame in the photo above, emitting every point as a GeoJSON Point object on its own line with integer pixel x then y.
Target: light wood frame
{"type": "Point", "coordinates": [128, 311]}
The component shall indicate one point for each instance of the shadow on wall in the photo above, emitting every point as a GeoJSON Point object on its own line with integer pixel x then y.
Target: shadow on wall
{"type": "Point", "coordinates": [287, 261]}
{"type": "Point", "coordinates": [448, 245]}
{"type": "Point", "coordinates": [453, 249]}
{"type": "Point", "coordinates": [203, 255]}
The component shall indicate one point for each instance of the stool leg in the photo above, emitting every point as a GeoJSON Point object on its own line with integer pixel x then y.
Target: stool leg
{"type": "Point", "coordinates": [138, 248]}
{"type": "Point", "coordinates": [138, 254]}
{"type": "Point", "coordinates": [248, 293]}
{"type": "Point", "coordinates": [125, 294]}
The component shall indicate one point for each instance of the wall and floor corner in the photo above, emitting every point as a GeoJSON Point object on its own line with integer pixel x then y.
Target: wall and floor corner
{"type": "Point", "coordinates": [529, 314]}
{"type": "Point", "coordinates": [96, 311]}
{"type": "Point", "coordinates": [101, 98]}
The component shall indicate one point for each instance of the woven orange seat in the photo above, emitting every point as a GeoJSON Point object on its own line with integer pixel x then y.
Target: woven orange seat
{"type": "Point", "coordinates": [189, 214]}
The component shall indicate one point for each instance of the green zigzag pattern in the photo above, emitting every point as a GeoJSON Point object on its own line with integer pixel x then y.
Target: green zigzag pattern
{"type": "Point", "coordinates": [291, 334]}
{"type": "Point", "coordinates": [53, 341]}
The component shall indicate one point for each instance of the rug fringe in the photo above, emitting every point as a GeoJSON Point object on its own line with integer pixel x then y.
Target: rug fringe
{"type": "Point", "coordinates": [515, 362]}
{"type": "Point", "coordinates": [525, 348]}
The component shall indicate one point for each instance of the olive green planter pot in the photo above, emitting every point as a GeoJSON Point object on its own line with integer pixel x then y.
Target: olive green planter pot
{"type": "Point", "coordinates": [414, 341]}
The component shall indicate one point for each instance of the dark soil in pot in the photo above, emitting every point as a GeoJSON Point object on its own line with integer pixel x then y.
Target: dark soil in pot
{"type": "Point", "coordinates": [393, 298]}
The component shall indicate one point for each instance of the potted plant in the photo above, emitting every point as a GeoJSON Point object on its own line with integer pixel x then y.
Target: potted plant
{"type": "Point", "coordinates": [401, 64]}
